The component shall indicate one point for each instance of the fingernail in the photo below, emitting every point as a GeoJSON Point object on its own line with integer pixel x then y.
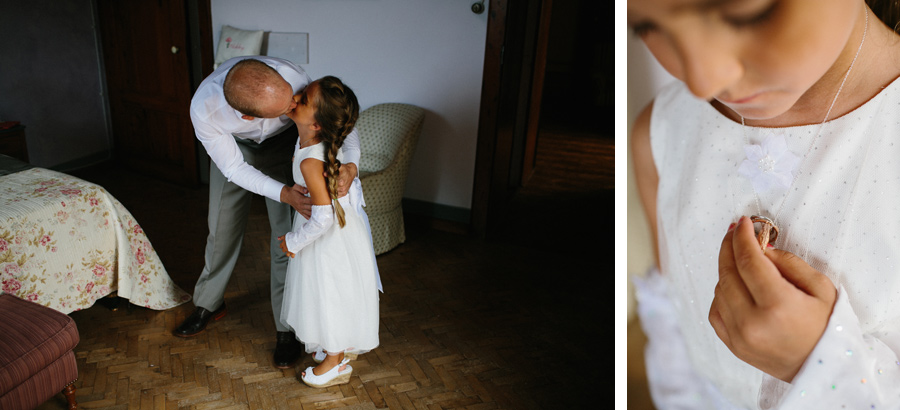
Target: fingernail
{"type": "Point", "coordinates": [731, 227]}
{"type": "Point", "coordinates": [770, 246]}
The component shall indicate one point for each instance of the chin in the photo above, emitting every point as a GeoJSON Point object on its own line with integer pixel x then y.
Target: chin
{"type": "Point", "coordinates": [759, 112]}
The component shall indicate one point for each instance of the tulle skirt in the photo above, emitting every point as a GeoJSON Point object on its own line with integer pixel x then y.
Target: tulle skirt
{"type": "Point", "coordinates": [331, 289]}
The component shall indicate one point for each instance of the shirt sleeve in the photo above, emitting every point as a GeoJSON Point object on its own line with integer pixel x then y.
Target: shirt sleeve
{"type": "Point", "coordinates": [848, 368]}
{"type": "Point", "coordinates": [351, 148]}
{"type": "Point", "coordinates": [223, 150]}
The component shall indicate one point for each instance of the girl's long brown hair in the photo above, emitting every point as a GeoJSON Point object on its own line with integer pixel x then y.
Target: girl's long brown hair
{"type": "Point", "coordinates": [337, 110]}
{"type": "Point", "coordinates": [887, 11]}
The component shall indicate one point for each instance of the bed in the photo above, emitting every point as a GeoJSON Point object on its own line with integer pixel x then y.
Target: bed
{"type": "Point", "coordinates": [66, 243]}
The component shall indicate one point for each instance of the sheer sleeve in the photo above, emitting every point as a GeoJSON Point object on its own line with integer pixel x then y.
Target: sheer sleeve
{"type": "Point", "coordinates": [320, 220]}
{"type": "Point", "coordinates": [847, 369]}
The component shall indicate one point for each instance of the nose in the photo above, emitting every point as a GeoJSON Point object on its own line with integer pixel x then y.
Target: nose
{"type": "Point", "coordinates": [709, 64]}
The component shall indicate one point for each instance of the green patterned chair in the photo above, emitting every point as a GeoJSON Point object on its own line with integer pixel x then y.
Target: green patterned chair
{"type": "Point", "coordinates": [387, 135]}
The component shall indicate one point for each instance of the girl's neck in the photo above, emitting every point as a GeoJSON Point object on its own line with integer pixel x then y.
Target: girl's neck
{"type": "Point", "coordinates": [877, 66]}
{"type": "Point", "coordinates": [308, 141]}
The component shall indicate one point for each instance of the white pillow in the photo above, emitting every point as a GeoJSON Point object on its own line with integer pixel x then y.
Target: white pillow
{"type": "Point", "coordinates": [234, 42]}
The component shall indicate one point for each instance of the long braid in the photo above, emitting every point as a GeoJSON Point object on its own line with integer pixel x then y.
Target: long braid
{"type": "Point", "coordinates": [333, 168]}
{"type": "Point", "coordinates": [336, 113]}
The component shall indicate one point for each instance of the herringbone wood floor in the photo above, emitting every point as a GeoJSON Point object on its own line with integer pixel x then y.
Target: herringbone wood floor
{"type": "Point", "coordinates": [512, 322]}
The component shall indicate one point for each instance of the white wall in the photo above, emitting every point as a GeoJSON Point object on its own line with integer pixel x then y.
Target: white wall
{"type": "Point", "coordinates": [50, 80]}
{"type": "Point", "coordinates": [645, 78]}
{"type": "Point", "coordinates": [429, 53]}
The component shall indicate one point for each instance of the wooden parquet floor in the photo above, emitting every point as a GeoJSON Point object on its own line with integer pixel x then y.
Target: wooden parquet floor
{"type": "Point", "coordinates": [508, 323]}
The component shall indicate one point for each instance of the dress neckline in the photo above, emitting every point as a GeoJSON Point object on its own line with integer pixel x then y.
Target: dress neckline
{"type": "Point", "coordinates": [895, 83]}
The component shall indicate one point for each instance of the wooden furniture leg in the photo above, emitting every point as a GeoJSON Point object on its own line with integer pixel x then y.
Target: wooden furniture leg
{"type": "Point", "coordinates": [69, 392]}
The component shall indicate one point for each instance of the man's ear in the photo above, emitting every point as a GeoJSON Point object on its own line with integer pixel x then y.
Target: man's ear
{"type": "Point", "coordinates": [247, 117]}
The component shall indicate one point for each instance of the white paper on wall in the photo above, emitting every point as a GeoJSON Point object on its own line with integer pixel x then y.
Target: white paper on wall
{"type": "Point", "coordinates": [289, 46]}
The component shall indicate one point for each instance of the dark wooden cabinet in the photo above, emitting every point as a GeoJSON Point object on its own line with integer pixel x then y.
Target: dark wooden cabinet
{"type": "Point", "coordinates": [12, 142]}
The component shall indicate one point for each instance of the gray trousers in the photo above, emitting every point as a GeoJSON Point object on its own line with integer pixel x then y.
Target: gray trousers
{"type": "Point", "coordinates": [229, 206]}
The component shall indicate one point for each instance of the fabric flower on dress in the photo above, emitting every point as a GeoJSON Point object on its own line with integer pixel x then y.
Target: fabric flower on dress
{"type": "Point", "coordinates": [770, 164]}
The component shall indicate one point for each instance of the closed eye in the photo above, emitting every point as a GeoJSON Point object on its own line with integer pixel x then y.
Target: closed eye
{"type": "Point", "coordinates": [753, 19]}
{"type": "Point", "coordinates": [643, 28]}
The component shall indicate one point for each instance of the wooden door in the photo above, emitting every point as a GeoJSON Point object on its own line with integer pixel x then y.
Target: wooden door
{"type": "Point", "coordinates": [146, 55]}
{"type": "Point", "coordinates": [515, 38]}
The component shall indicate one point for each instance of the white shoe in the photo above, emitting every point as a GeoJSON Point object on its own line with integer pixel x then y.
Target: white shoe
{"type": "Point", "coordinates": [320, 355]}
{"type": "Point", "coordinates": [332, 377]}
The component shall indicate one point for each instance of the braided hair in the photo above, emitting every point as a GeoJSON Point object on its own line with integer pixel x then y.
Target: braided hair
{"type": "Point", "coordinates": [336, 113]}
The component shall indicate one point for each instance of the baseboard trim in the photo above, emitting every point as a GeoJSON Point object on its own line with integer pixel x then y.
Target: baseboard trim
{"type": "Point", "coordinates": [438, 216]}
{"type": "Point", "coordinates": [438, 211]}
{"type": "Point", "coordinates": [82, 162]}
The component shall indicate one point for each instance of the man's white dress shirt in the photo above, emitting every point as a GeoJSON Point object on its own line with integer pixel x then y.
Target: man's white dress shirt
{"type": "Point", "coordinates": [216, 124]}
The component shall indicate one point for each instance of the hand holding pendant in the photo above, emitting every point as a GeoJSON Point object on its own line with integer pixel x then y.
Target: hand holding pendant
{"type": "Point", "coordinates": [770, 309]}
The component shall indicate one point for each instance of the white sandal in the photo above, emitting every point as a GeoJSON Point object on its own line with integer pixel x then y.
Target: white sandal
{"type": "Point", "coordinates": [320, 355]}
{"type": "Point", "coordinates": [332, 377]}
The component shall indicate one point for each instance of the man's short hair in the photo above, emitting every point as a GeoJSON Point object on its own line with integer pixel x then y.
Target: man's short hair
{"type": "Point", "coordinates": [246, 82]}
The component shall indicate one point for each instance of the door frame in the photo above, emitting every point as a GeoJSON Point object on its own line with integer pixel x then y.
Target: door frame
{"type": "Point", "coordinates": [512, 82]}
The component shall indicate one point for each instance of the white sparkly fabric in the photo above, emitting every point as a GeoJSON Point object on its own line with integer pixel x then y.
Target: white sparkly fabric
{"type": "Point", "coordinates": [332, 284]}
{"type": "Point", "coordinates": [840, 216]}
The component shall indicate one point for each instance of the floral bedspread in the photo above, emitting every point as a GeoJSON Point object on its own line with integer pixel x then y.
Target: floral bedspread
{"type": "Point", "coordinates": [65, 243]}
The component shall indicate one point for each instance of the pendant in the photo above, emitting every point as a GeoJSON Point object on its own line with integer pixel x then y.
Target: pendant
{"type": "Point", "coordinates": [768, 231]}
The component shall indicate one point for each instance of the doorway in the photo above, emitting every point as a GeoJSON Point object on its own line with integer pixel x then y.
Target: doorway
{"type": "Point", "coordinates": [149, 52]}
{"type": "Point", "coordinates": [555, 59]}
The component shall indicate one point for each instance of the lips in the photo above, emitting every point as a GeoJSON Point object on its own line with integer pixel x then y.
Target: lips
{"type": "Point", "coordinates": [737, 101]}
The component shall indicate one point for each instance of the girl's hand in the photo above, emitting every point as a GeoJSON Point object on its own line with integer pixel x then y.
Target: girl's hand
{"type": "Point", "coordinates": [284, 247]}
{"type": "Point", "coordinates": [769, 309]}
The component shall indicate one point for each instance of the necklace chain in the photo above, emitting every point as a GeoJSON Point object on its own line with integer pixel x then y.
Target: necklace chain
{"type": "Point", "coordinates": [305, 141]}
{"type": "Point", "coordinates": [821, 125]}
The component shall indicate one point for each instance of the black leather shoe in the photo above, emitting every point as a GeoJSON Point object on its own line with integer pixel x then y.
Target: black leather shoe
{"type": "Point", "coordinates": [287, 350]}
{"type": "Point", "coordinates": [196, 322]}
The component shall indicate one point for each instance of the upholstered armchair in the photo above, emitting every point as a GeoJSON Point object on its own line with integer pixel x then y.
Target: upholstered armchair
{"type": "Point", "coordinates": [387, 134]}
{"type": "Point", "coordinates": [36, 357]}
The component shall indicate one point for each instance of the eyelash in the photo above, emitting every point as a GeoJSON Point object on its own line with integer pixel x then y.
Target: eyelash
{"type": "Point", "coordinates": [642, 29]}
{"type": "Point", "coordinates": [645, 28]}
{"type": "Point", "coordinates": [753, 20]}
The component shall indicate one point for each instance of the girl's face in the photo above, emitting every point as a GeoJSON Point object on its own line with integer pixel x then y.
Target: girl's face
{"type": "Point", "coordinates": [304, 115]}
{"type": "Point", "coordinates": [756, 57]}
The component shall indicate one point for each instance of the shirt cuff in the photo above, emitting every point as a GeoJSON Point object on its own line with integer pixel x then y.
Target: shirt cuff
{"type": "Point", "coordinates": [272, 190]}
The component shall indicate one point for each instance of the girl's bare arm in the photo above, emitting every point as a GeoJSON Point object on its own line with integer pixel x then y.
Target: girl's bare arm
{"type": "Point", "coordinates": [646, 177]}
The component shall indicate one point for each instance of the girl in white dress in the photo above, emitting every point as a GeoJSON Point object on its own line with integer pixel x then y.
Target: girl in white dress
{"type": "Point", "coordinates": [332, 284]}
{"type": "Point", "coordinates": [770, 176]}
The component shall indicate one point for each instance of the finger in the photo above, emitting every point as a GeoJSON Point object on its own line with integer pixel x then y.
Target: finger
{"type": "Point", "coordinates": [796, 271]}
{"type": "Point", "coordinates": [759, 274]}
{"type": "Point", "coordinates": [731, 287]}
{"type": "Point", "coordinates": [718, 323]}
{"type": "Point", "coordinates": [281, 238]}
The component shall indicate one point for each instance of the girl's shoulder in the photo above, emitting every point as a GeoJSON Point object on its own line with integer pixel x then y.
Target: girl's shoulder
{"type": "Point", "coordinates": [315, 151]}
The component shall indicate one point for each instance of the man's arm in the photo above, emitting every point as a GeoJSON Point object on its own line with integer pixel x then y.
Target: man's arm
{"type": "Point", "coordinates": [225, 154]}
